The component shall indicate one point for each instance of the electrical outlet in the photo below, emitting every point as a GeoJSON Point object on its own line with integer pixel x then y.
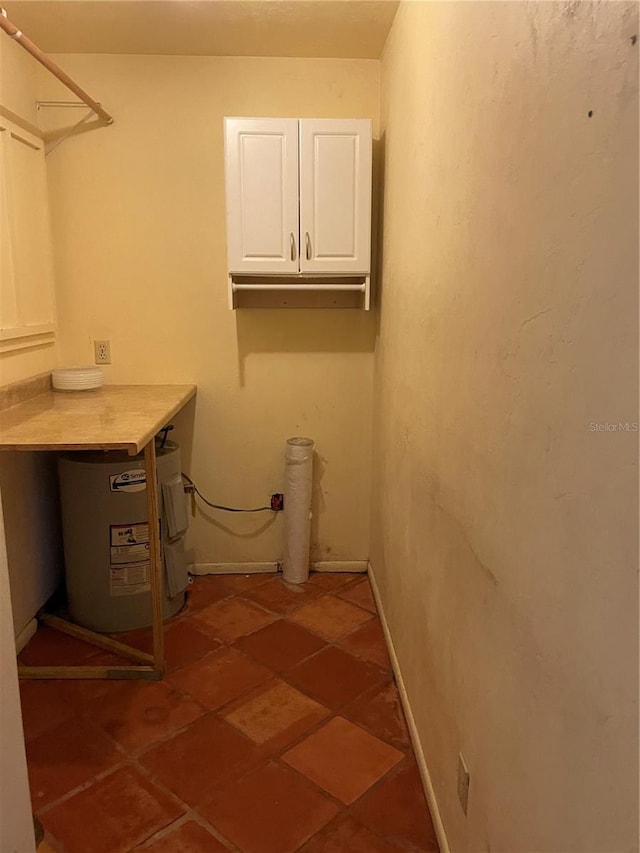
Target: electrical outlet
{"type": "Point", "coordinates": [102, 352]}
{"type": "Point", "coordinates": [463, 783]}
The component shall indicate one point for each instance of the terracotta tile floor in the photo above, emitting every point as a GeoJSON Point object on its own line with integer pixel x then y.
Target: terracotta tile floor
{"type": "Point", "coordinates": [278, 728]}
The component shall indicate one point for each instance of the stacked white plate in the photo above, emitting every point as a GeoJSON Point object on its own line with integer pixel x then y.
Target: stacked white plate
{"type": "Point", "coordinates": [76, 378]}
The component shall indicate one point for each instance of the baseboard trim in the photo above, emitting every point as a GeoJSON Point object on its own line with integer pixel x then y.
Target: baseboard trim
{"type": "Point", "coordinates": [25, 635]}
{"type": "Point", "coordinates": [233, 568]}
{"type": "Point", "coordinates": [358, 566]}
{"type": "Point", "coordinates": [429, 790]}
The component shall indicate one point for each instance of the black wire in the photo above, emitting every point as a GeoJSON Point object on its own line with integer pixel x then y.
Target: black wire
{"type": "Point", "coordinates": [219, 506]}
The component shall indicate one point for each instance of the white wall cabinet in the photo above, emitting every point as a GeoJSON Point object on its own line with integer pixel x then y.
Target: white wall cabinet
{"type": "Point", "coordinates": [27, 303]}
{"type": "Point", "coordinates": [298, 194]}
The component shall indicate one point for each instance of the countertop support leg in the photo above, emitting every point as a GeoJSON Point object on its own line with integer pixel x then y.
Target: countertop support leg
{"type": "Point", "coordinates": [155, 557]}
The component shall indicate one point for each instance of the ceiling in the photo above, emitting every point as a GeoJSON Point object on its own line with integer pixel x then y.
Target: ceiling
{"type": "Point", "coordinates": [310, 28]}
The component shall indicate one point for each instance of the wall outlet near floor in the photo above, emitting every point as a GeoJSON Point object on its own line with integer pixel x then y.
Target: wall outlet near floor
{"type": "Point", "coordinates": [463, 783]}
{"type": "Point", "coordinates": [102, 352]}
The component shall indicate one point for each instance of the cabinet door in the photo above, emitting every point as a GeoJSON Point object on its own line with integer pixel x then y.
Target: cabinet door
{"type": "Point", "coordinates": [261, 157]}
{"type": "Point", "coordinates": [335, 196]}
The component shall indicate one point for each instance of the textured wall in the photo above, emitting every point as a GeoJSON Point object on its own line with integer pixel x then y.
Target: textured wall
{"type": "Point", "coordinates": [504, 526]}
{"type": "Point", "coordinates": [18, 80]}
{"type": "Point", "coordinates": [16, 824]}
{"type": "Point", "coordinates": [23, 579]}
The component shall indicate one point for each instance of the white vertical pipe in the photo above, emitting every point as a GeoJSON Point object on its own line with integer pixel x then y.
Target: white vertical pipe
{"type": "Point", "coordinates": [297, 509]}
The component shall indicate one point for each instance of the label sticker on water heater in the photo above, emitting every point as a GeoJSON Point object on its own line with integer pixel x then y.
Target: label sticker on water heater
{"type": "Point", "coordinates": [131, 579]}
{"type": "Point", "coordinates": [129, 534]}
{"type": "Point", "coordinates": [129, 543]}
{"type": "Point", "coordinates": [130, 567]}
{"type": "Point", "coordinates": [134, 480]}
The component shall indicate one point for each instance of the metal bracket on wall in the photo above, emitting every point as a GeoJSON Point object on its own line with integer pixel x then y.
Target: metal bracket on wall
{"type": "Point", "coordinates": [79, 127]}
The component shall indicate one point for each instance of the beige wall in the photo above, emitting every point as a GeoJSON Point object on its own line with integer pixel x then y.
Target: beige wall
{"type": "Point", "coordinates": [27, 480]}
{"type": "Point", "coordinates": [21, 581]}
{"type": "Point", "coordinates": [139, 235]}
{"type": "Point", "coordinates": [505, 529]}
{"type": "Point", "coordinates": [16, 825]}
{"type": "Point", "coordinates": [18, 93]}
{"type": "Point", "coordinates": [18, 80]}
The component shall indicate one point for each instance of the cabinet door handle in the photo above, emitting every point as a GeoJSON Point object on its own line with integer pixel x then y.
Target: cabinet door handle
{"type": "Point", "coordinates": [292, 241]}
{"type": "Point", "coordinates": [307, 242]}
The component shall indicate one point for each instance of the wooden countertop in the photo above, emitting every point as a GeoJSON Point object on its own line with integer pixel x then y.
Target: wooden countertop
{"type": "Point", "coordinates": [114, 417]}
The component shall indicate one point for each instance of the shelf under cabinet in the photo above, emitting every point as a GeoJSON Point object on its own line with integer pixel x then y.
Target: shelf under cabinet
{"type": "Point", "coordinates": [272, 291]}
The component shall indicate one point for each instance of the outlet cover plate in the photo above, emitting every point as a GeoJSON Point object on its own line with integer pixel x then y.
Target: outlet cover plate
{"type": "Point", "coordinates": [102, 352]}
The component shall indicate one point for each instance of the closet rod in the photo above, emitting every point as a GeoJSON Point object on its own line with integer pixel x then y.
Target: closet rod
{"type": "Point", "coordinates": [17, 35]}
